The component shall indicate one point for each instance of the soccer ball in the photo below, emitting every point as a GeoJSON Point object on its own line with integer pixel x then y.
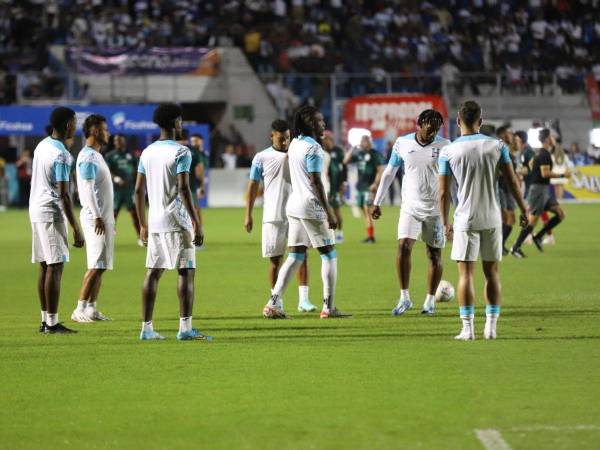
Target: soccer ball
{"type": "Point", "coordinates": [445, 292]}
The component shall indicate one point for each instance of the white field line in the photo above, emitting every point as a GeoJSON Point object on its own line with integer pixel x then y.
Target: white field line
{"type": "Point", "coordinates": [492, 439]}
{"type": "Point", "coordinates": [557, 428]}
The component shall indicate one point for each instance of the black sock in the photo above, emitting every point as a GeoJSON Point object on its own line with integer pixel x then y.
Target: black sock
{"type": "Point", "coordinates": [506, 229]}
{"type": "Point", "coordinates": [522, 236]}
{"type": "Point", "coordinates": [549, 225]}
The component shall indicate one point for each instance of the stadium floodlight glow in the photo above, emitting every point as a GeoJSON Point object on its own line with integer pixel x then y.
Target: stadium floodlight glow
{"type": "Point", "coordinates": [533, 137]}
{"type": "Point", "coordinates": [356, 134]}
{"type": "Point", "coordinates": [595, 137]}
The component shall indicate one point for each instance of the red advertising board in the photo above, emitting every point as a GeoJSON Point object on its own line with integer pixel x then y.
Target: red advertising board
{"type": "Point", "coordinates": [390, 116]}
{"type": "Point", "coordinates": [593, 97]}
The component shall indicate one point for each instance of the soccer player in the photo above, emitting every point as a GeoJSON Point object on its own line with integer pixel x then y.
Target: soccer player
{"type": "Point", "coordinates": [96, 196]}
{"type": "Point", "coordinates": [507, 202]}
{"type": "Point", "coordinates": [370, 165]}
{"type": "Point", "coordinates": [309, 214]}
{"type": "Point", "coordinates": [122, 165]}
{"type": "Point", "coordinates": [477, 230]}
{"type": "Point", "coordinates": [337, 179]}
{"type": "Point", "coordinates": [271, 167]}
{"type": "Point", "coordinates": [417, 155]}
{"type": "Point", "coordinates": [539, 197]}
{"type": "Point", "coordinates": [173, 225]}
{"type": "Point", "coordinates": [49, 202]}
{"type": "Point", "coordinates": [198, 168]}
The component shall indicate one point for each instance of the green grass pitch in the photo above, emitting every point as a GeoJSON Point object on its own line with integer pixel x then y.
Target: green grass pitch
{"type": "Point", "coordinates": [369, 382]}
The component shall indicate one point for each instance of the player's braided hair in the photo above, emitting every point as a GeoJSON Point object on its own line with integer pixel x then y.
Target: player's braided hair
{"type": "Point", "coordinates": [431, 117]}
{"type": "Point", "coordinates": [304, 120]}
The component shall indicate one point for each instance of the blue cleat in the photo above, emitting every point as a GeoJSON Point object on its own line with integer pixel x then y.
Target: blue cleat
{"type": "Point", "coordinates": [306, 306]}
{"type": "Point", "coordinates": [193, 335]}
{"type": "Point", "coordinates": [151, 336]}
{"type": "Point", "coordinates": [403, 306]}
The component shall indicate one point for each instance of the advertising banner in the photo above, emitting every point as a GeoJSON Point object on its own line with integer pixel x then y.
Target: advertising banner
{"type": "Point", "coordinates": [593, 97]}
{"type": "Point", "coordinates": [584, 183]}
{"type": "Point", "coordinates": [144, 61]}
{"type": "Point", "coordinates": [390, 116]}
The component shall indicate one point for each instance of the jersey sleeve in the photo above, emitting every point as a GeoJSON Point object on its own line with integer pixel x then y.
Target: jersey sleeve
{"type": "Point", "coordinates": [544, 159]}
{"type": "Point", "coordinates": [444, 163]}
{"type": "Point", "coordinates": [380, 160]}
{"type": "Point", "coordinates": [505, 154]}
{"type": "Point", "coordinates": [88, 170]}
{"type": "Point", "coordinates": [141, 168]}
{"type": "Point", "coordinates": [395, 158]}
{"type": "Point", "coordinates": [183, 160]}
{"type": "Point", "coordinates": [314, 159]}
{"type": "Point", "coordinates": [62, 167]}
{"type": "Point", "coordinates": [256, 169]}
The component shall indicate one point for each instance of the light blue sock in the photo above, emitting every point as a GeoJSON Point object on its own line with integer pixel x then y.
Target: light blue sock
{"type": "Point", "coordinates": [467, 312]}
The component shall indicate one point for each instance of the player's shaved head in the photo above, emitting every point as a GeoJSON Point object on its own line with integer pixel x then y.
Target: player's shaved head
{"type": "Point", "coordinates": [469, 113]}
{"type": "Point", "coordinates": [60, 118]}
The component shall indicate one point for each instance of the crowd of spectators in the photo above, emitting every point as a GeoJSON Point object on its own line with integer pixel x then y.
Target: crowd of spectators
{"type": "Point", "coordinates": [524, 39]}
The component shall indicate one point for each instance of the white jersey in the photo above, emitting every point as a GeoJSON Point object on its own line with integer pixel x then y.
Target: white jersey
{"type": "Point", "coordinates": [161, 161]}
{"type": "Point", "coordinates": [91, 166]}
{"type": "Point", "coordinates": [420, 184]}
{"type": "Point", "coordinates": [51, 165]}
{"type": "Point", "coordinates": [305, 156]}
{"type": "Point", "coordinates": [271, 166]}
{"type": "Point", "coordinates": [473, 160]}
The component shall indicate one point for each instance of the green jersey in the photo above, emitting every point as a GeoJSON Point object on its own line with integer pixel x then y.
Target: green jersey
{"type": "Point", "coordinates": [367, 164]}
{"type": "Point", "coordinates": [337, 169]}
{"type": "Point", "coordinates": [124, 166]}
{"type": "Point", "coordinates": [198, 157]}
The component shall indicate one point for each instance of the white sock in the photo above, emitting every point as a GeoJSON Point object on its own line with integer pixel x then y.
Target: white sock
{"type": "Point", "coordinates": [429, 301]}
{"type": "Point", "coordinates": [302, 294]}
{"type": "Point", "coordinates": [185, 324]}
{"type": "Point", "coordinates": [404, 295]}
{"type": "Point", "coordinates": [51, 319]}
{"type": "Point", "coordinates": [92, 305]}
{"type": "Point", "coordinates": [287, 272]}
{"type": "Point", "coordinates": [81, 304]}
{"type": "Point", "coordinates": [44, 314]}
{"type": "Point", "coordinates": [329, 276]}
{"type": "Point", "coordinates": [147, 326]}
{"type": "Point", "coordinates": [468, 322]}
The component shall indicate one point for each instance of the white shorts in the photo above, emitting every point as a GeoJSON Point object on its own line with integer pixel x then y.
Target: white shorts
{"type": "Point", "coordinates": [50, 242]}
{"type": "Point", "coordinates": [171, 250]}
{"type": "Point", "coordinates": [431, 229]}
{"type": "Point", "coordinates": [468, 245]}
{"type": "Point", "coordinates": [274, 238]}
{"type": "Point", "coordinates": [99, 248]}
{"type": "Point", "coordinates": [309, 233]}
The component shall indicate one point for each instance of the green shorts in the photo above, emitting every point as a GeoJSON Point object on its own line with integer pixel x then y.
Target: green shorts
{"type": "Point", "coordinates": [363, 198]}
{"type": "Point", "coordinates": [124, 198]}
{"type": "Point", "coordinates": [335, 200]}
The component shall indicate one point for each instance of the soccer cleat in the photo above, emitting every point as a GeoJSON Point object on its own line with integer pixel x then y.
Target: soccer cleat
{"type": "Point", "coordinates": [151, 336]}
{"type": "Point", "coordinates": [140, 243]}
{"type": "Point", "coordinates": [549, 240]}
{"type": "Point", "coordinates": [95, 315]}
{"type": "Point", "coordinates": [489, 332]}
{"type": "Point", "coordinates": [80, 316]}
{"type": "Point", "coordinates": [193, 335]}
{"type": "Point", "coordinates": [403, 306]}
{"type": "Point", "coordinates": [538, 243]}
{"type": "Point", "coordinates": [59, 328]}
{"type": "Point", "coordinates": [466, 334]}
{"type": "Point", "coordinates": [430, 311]}
{"type": "Point", "coordinates": [333, 314]}
{"type": "Point", "coordinates": [43, 327]}
{"type": "Point", "coordinates": [339, 239]}
{"type": "Point", "coordinates": [273, 312]}
{"type": "Point", "coordinates": [369, 240]}
{"type": "Point", "coordinates": [517, 253]}
{"type": "Point", "coordinates": [306, 306]}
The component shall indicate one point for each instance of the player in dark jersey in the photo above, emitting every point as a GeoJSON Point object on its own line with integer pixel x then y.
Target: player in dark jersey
{"type": "Point", "coordinates": [338, 175]}
{"type": "Point", "coordinates": [507, 202]}
{"type": "Point", "coordinates": [370, 164]}
{"type": "Point", "coordinates": [123, 167]}
{"type": "Point", "coordinates": [539, 196]}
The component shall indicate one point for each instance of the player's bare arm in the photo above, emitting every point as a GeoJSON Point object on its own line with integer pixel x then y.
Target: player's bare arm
{"type": "Point", "coordinates": [315, 178]}
{"type": "Point", "coordinates": [251, 194]}
{"type": "Point", "coordinates": [67, 204]}
{"type": "Point", "coordinates": [199, 172]}
{"type": "Point", "coordinates": [140, 206]}
{"type": "Point", "coordinates": [183, 186]}
{"type": "Point", "coordinates": [513, 184]}
{"type": "Point", "coordinates": [445, 181]}
{"type": "Point", "coordinates": [546, 172]}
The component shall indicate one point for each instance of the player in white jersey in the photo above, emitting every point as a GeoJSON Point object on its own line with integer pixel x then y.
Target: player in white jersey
{"type": "Point", "coordinates": [416, 154]}
{"type": "Point", "coordinates": [309, 214]}
{"type": "Point", "coordinates": [271, 167]}
{"type": "Point", "coordinates": [472, 159]}
{"type": "Point", "coordinates": [49, 203]}
{"type": "Point", "coordinates": [94, 182]}
{"type": "Point", "coordinates": [173, 227]}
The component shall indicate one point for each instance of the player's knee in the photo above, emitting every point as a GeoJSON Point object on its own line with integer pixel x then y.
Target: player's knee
{"type": "Point", "coordinates": [405, 247]}
{"type": "Point", "coordinates": [435, 258]}
{"type": "Point", "coordinates": [561, 214]}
